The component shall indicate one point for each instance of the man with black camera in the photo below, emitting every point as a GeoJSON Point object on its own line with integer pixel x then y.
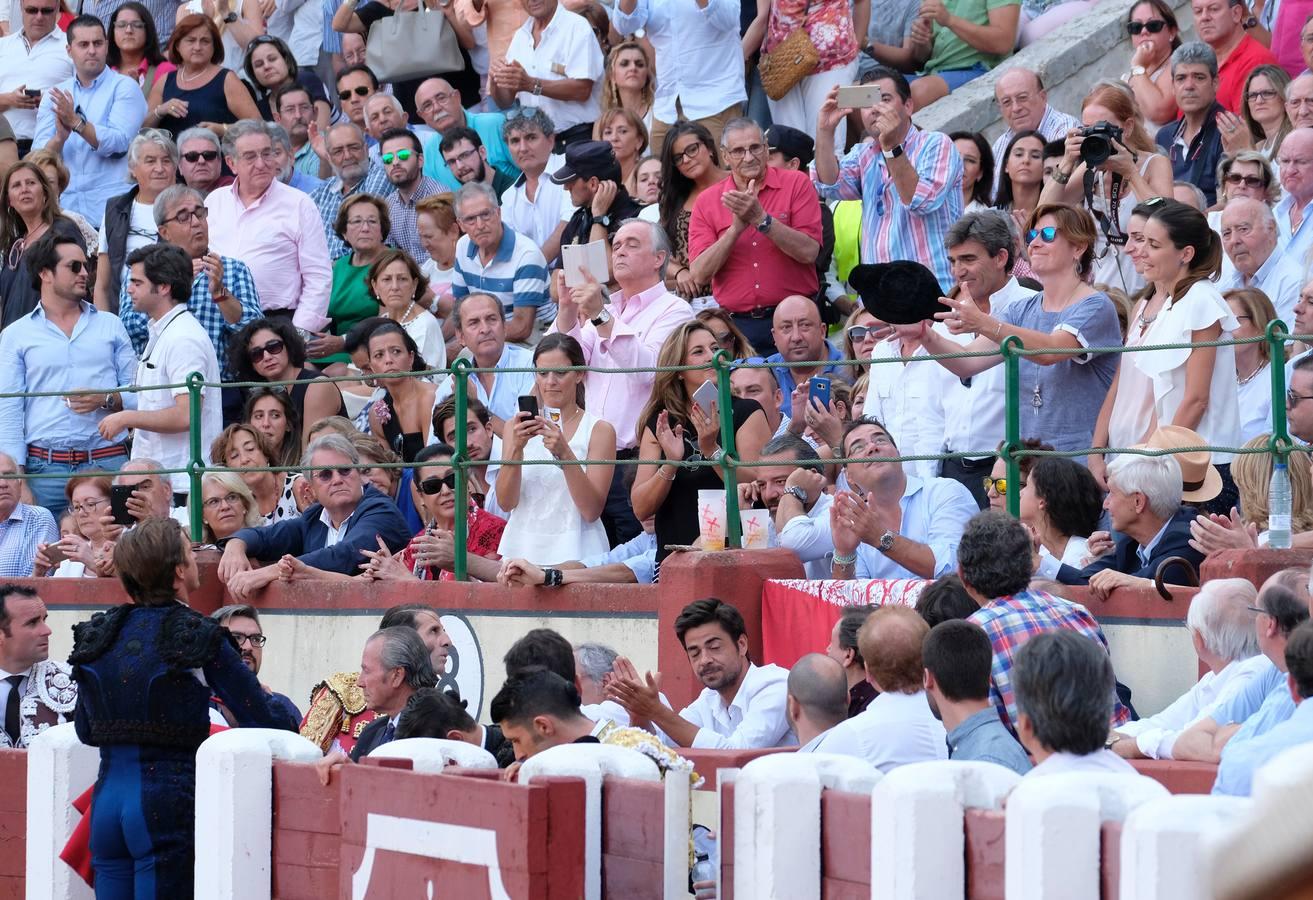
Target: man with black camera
{"type": "Point", "coordinates": [1194, 142]}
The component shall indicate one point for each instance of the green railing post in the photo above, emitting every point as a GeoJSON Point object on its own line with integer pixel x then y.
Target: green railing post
{"type": "Point", "coordinates": [725, 407]}
{"type": "Point", "coordinates": [1276, 335]}
{"type": "Point", "coordinates": [460, 372]}
{"type": "Point", "coordinates": [1012, 429]}
{"type": "Point", "coordinates": [196, 465]}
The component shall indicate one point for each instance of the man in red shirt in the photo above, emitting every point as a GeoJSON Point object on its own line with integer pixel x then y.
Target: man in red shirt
{"type": "Point", "coordinates": [755, 236]}
{"type": "Point", "coordinates": [1221, 25]}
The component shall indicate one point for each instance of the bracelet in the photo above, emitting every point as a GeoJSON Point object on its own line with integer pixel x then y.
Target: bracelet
{"type": "Point", "coordinates": [1060, 176]}
{"type": "Point", "coordinates": [845, 561]}
{"type": "Point", "coordinates": [998, 330]}
{"type": "Point", "coordinates": [662, 477]}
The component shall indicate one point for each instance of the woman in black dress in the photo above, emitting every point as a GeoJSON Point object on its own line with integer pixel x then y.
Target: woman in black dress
{"type": "Point", "coordinates": [673, 427]}
{"type": "Point", "coordinates": [403, 418]}
{"type": "Point", "coordinates": [271, 350]}
{"type": "Point", "coordinates": [269, 65]}
{"type": "Point", "coordinates": [201, 92]}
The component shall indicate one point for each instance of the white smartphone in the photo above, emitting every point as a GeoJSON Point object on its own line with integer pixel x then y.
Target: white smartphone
{"type": "Point", "coordinates": [705, 395]}
{"type": "Point", "coordinates": [859, 96]}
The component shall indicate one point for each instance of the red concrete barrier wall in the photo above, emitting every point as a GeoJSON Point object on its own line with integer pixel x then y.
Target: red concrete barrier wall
{"type": "Point", "coordinates": [708, 762]}
{"type": "Point", "coordinates": [1179, 777]}
{"type": "Point", "coordinates": [13, 823]}
{"type": "Point", "coordinates": [633, 835]}
{"type": "Point", "coordinates": [726, 838]}
{"type": "Point", "coordinates": [985, 843]}
{"type": "Point", "coordinates": [1254, 565]}
{"type": "Point", "coordinates": [307, 834]}
{"type": "Point", "coordinates": [845, 846]}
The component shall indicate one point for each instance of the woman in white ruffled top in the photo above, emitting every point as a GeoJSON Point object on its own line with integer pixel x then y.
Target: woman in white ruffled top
{"type": "Point", "coordinates": [555, 512]}
{"type": "Point", "coordinates": [1191, 388]}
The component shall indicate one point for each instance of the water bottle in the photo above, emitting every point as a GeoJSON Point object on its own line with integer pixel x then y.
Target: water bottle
{"type": "Point", "coordinates": [1278, 508]}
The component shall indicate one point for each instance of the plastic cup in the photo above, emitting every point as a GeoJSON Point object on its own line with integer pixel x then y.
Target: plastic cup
{"type": "Point", "coordinates": [756, 528]}
{"type": "Point", "coordinates": [711, 519]}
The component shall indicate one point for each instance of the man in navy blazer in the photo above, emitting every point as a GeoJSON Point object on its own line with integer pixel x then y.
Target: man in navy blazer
{"type": "Point", "coordinates": [1144, 504]}
{"type": "Point", "coordinates": [330, 535]}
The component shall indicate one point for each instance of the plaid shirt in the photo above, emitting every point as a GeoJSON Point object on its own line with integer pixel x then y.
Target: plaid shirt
{"type": "Point", "coordinates": [237, 281]}
{"type": "Point", "coordinates": [1011, 621]}
{"type": "Point", "coordinates": [405, 230]}
{"type": "Point", "coordinates": [328, 200]}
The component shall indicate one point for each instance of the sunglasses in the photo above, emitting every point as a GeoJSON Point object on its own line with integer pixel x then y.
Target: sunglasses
{"type": "Point", "coordinates": [433, 486]}
{"type": "Point", "coordinates": [1048, 233]}
{"type": "Point", "coordinates": [999, 485]}
{"type": "Point", "coordinates": [1249, 181]}
{"type": "Point", "coordinates": [76, 266]}
{"type": "Point", "coordinates": [1153, 26]}
{"type": "Point", "coordinates": [360, 90]}
{"type": "Point", "coordinates": [326, 475]}
{"type": "Point", "coordinates": [39, 10]}
{"type": "Point", "coordinates": [195, 156]}
{"type": "Point", "coordinates": [274, 346]}
{"type": "Point", "coordinates": [862, 332]}
{"type": "Point", "coordinates": [402, 155]}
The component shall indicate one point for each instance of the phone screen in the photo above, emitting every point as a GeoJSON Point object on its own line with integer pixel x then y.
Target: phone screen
{"type": "Point", "coordinates": [529, 404]}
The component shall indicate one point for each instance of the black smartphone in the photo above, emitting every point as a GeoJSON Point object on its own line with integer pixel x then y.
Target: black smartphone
{"type": "Point", "coordinates": [32, 93]}
{"type": "Point", "coordinates": [118, 504]}
{"type": "Point", "coordinates": [529, 404]}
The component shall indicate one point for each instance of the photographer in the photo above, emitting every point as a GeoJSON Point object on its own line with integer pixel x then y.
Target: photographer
{"type": "Point", "coordinates": [1110, 183]}
{"type": "Point", "coordinates": [1194, 142]}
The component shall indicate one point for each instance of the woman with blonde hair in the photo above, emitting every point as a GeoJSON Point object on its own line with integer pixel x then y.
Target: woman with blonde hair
{"type": "Point", "coordinates": [1254, 312]}
{"type": "Point", "coordinates": [1247, 530]}
{"type": "Point", "coordinates": [227, 506]}
{"type": "Point", "coordinates": [629, 83]}
{"type": "Point", "coordinates": [1264, 111]}
{"type": "Point", "coordinates": [861, 332]}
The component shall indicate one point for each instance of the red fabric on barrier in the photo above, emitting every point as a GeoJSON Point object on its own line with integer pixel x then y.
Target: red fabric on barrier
{"type": "Point", "coordinates": [798, 616]}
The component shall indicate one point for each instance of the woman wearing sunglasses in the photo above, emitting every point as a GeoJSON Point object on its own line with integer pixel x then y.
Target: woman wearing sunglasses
{"type": "Point", "coordinates": [272, 350]}
{"type": "Point", "coordinates": [269, 65]}
{"type": "Point", "coordinates": [728, 336]}
{"type": "Point", "coordinates": [690, 163]}
{"type": "Point", "coordinates": [243, 446]}
{"type": "Point", "coordinates": [997, 484]}
{"type": "Point", "coordinates": [1060, 505]}
{"type": "Point", "coordinates": [1061, 393]}
{"type": "Point", "coordinates": [1154, 34]}
{"type": "Point", "coordinates": [861, 333]}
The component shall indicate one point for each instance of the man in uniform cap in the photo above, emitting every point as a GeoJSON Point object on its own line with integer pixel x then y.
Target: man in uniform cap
{"type": "Point", "coordinates": [592, 176]}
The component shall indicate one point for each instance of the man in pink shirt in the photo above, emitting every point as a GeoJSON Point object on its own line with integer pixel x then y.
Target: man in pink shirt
{"type": "Point", "coordinates": [273, 228]}
{"type": "Point", "coordinates": [755, 236]}
{"type": "Point", "coordinates": [625, 333]}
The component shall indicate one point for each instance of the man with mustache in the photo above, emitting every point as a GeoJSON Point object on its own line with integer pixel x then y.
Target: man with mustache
{"type": "Point", "coordinates": [243, 623]}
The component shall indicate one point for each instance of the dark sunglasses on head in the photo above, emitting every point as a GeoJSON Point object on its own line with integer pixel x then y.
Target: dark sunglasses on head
{"type": "Point", "coordinates": [1049, 234]}
{"type": "Point", "coordinates": [194, 156]}
{"type": "Point", "coordinates": [1153, 26]}
{"type": "Point", "coordinates": [402, 155]}
{"type": "Point", "coordinates": [359, 90]}
{"type": "Point", "coordinates": [274, 346]}
{"type": "Point", "coordinates": [433, 486]}
{"type": "Point", "coordinates": [862, 332]}
{"type": "Point", "coordinates": [326, 475]}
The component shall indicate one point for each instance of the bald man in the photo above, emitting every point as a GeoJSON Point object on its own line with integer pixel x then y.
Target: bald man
{"type": "Point", "coordinates": [1250, 238]}
{"type": "Point", "coordinates": [1024, 104]}
{"type": "Point", "coordinates": [1299, 101]}
{"type": "Point", "coordinates": [800, 337]}
{"type": "Point", "coordinates": [1296, 162]}
{"type": "Point", "coordinates": [438, 104]}
{"type": "Point", "coordinates": [818, 701]}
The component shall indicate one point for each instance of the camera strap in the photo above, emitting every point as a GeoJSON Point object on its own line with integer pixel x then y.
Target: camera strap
{"type": "Point", "coordinates": [1109, 222]}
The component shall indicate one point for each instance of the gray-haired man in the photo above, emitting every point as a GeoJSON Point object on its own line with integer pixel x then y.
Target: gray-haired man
{"type": "Point", "coordinates": [1194, 143]}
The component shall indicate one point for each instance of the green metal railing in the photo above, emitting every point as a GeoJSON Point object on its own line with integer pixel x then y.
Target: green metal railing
{"type": "Point", "coordinates": [1012, 352]}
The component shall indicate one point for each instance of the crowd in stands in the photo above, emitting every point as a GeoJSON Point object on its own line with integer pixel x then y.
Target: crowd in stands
{"type": "Point", "coordinates": [636, 188]}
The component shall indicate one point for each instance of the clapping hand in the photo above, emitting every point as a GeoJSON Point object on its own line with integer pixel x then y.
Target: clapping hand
{"type": "Point", "coordinates": [744, 205]}
{"type": "Point", "coordinates": [382, 565]}
{"type": "Point", "coordinates": [670, 439]}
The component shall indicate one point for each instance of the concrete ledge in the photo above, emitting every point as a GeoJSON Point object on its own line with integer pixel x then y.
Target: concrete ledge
{"type": "Point", "coordinates": [1165, 845]}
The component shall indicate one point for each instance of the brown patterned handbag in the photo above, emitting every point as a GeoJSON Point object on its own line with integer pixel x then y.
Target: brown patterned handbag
{"type": "Point", "coordinates": [792, 60]}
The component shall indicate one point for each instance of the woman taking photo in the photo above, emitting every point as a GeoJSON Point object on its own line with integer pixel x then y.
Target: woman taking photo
{"type": "Point", "coordinates": [272, 350]}
{"type": "Point", "coordinates": [1061, 504]}
{"type": "Point", "coordinates": [29, 208]}
{"type": "Point", "coordinates": [402, 419]}
{"type": "Point", "coordinates": [270, 412]}
{"type": "Point", "coordinates": [1061, 393]}
{"type": "Point", "coordinates": [1254, 312]}
{"type": "Point", "coordinates": [88, 495]}
{"type": "Point", "coordinates": [227, 506]}
{"type": "Point", "coordinates": [977, 169]}
{"type": "Point", "coordinates": [690, 163]}
{"type": "Point", "coordinates": [269, 65]}
{"type": "Point", "coordinates": [541, 527]}
{"type": "Point", "coordinates": [244, 446]}
{"type": "Point", "coordinates": [629, 84]}
{"type": "Point", "coordinates": [673, 427]}
{"type": "Point", "coordinates": [362, 222]}
{"type": "Point", "coordinates": [130, 218]}
{"type": "Point", "coordinates": [398, 285]}
{"type": "Point", "coordinates": [134, 46]}
{"type": "Point", "coordinates": [627, 135]}
{"type": "Point", "coordinates": [1154, 34]}
{"type": "Point", "coordinates": [201, 92]}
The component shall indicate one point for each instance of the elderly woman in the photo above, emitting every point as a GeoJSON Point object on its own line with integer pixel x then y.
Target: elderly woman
{"type": "Point", "coordinates": [362, 222]}
{"type": "Point", "coordinates": [227, 506]}
{"type": "Point", "coordinates": [130, 218]}
{"type": "Point", "coordinates": [88, 495]}
{"type": "Point", "coordinates": [397, 283]}
{"type": "Point", "coordinates": [201, 92]}
{"type": "Point", "coordinates": [244, 446]}
{"type": "Point", "coordinates": [29, 208]}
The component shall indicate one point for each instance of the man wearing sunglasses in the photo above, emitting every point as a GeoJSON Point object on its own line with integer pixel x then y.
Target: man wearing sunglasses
{"type": "Point", "coordinates": [355, 85]}
{"type": "Point", "coordinates": [353, 173]}
{"type": "Point", "coordinates": [1024, 105]}
{"type": "Point", "coordinates": [348, 518]}
{"type": "Point", "coordinates": [403, 160]}
{"type": "Point", "coordinates": [1250, 238]}
{"type": "Point", "coordinates": [200, 161]}
{"type": "Point", "coordinates": [89, 121]}
{"type": "Point", "coordinates": [31, 61]}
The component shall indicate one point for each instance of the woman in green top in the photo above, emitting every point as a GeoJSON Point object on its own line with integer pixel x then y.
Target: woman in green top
{"type": "Point", "coordinates": [362, 222]}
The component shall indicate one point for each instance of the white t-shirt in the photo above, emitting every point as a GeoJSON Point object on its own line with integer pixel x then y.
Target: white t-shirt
{"type": "Point", "coordinates": [141, 230]}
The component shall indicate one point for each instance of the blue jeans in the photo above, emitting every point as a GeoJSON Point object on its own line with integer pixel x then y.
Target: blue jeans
{"type": "Point", "coordinates": [954, 78]}
{"type": "Point", "coordinates": [49, 492]}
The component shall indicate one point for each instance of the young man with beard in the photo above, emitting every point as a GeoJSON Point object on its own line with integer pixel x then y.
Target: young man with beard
{"type": "Point", "coordinates": [463, 151]}
{"type": "Point", "coordinates": [402, 158]}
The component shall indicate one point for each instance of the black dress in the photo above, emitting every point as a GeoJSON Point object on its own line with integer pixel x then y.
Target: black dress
{"type": "Point", "coordinates": [677, 517]}
{"type": "Point", "coordinates": [20, 297]}
{"type": "Point", "coordinates": [206, 103]}
{"type": "Point", "coordinates": [303, 379]}
{"type": "Point", "coordinates": [305, 78]}
{"type": "Point", "coordinates": [406, 445]}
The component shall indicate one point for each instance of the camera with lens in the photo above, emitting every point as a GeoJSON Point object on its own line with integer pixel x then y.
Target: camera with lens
{"type": "Point", "coordinates": [1098, 144]}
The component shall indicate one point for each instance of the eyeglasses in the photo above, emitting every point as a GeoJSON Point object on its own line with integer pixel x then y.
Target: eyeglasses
{"type": "Point", "coordinates": [129, 25]}
{"type": "Point", "coordinates": [230, 499]}
{"type": "Point", "coordinates": [461, 157]}
{"type": "Point", "coordinates": [737, 153]}
{"type": "Point", "coordinates": [1265, 94]}
{"type": "Point", "coordinates": [437, 99]}
{"type": "Point", "coordinates": [253, 156]}
{"type": "Point", "coordinates": [272, 348]}
{"type": "Point", "coordinates": [1153, 26]}
{"type": "Point", "coordinates": [77, 266]}
{"type": "Point", "coordinates": [998, 485]}
{"type": "Point", "coordinates": [363, 222]}
{"type": "Point", "coordinates": [402, 155]}
{"type": "Point", "coordinates": [1258, 609]}
{"type": "Point", "coordinates": [39, 10]}
{"type": "Point", "coordinates": [473, 218]}
{"type": "Point", "coordinates": [1293, 399]}
{"type": "Point", "coordinates": [187, 216]}
{"type": "Point", "coordinates": [88, 507]}
{"type": "Point", "coordinates": [433, 486]}
{"type": "Point", "coordinates": [1048, 233]}
{"type": "Point", "coordinates": [195, 156]}
{"type": "Point", "coordinates": [255, 640]}
{"type": "Point", "coordinates": [858, 449]}
{"type": "Point", "coordinates": [326, 475]}
{"type": "Point", "coordinates": [345, 149]}
{"type": "Point", "coordinates": [861, 332]}
{"type": "Point", "coordinates": [360, 90]}
{"type": "Point", "coordinates": [689, 153]}
{"type": "Point", "coordinates": [1249, 181]}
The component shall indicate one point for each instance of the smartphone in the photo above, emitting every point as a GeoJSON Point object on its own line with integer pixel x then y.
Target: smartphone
{"type": "Point", "coordinates": [859, 96]}
{"type": "Point", "coordinates": [818, 388]}
{"type": "Point", "coordinates": [705, 395]}
{"type": "Point", "coordinates": [55, 553]}
{"type": "Point", "coordinates": [32, 93]}
{"type": "Point", "coordinates": [118, 504]}
{"type": "Point", "coordinates": [529, 404]}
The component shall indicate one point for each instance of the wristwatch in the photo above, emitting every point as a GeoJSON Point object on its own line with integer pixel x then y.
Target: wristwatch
{"type": "Point", "coordinates": [553, 578]}
{"type": "Point", "coordinates": [1138, 70]}
{"type": "Point", "coordinates": [602, 318]}
{"type": "Point", "coordinates": [764, 225]}
{"type": "Point", "coordinates": [230, 18]}
{"type": "Point", "coordinates": [797, 492]}
{"type": "Point", "coordinates": [1251, 22]}
{"type": "Point", "coordinates": [894, 153]}
{"type": "Point", "coordinates": [887, 541]}
{"type": "Point", "coordinates": [604, 221]}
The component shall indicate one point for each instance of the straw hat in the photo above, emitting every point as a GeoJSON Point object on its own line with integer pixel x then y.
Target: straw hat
{"type": "Point", "coordinates": [1200, 480]}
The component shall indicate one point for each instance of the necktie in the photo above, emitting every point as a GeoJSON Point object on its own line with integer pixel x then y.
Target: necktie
{"type": "Point", "coordinates": [11, 709]}
{"type": "Point", "coordinates": [389, 734]}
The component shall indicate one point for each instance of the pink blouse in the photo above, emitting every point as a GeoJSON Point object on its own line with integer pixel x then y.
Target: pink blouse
{"type": "Point", "coordinates": [829, 24]}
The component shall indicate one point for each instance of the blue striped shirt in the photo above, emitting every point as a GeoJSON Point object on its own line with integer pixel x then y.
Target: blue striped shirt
{"type": "Point", "coordinates": [516, 275]}
{"type": "Point", "coordinates": [26, 527]}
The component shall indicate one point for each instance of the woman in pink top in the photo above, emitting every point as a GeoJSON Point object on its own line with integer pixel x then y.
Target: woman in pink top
{"type": "Point", "coordinates": [833, 29]}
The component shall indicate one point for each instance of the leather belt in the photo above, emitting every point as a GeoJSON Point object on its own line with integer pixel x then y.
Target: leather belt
{"type": "Point", "coordinates": [76, 457]}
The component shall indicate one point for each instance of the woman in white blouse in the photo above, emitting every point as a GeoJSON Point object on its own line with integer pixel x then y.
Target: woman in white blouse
{"type": "Point", "coordinates": [1253, 310]}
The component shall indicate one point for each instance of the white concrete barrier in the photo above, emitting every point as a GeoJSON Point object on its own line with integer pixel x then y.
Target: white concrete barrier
{"type": "Point", "coordinates": [1165, 847]}
{"type": "Point", "coordinates": [918, 829]}
{"type": "Point", "coordinates": [59, 769]}
{"type": "Point", "coordinates": [777, 820]}
{"type": "Point", "coordinates": [435, 754]}
{"type": "Point", "coordinates": [592, 763]}
{"type": "Point", "coordinates": [234, 809]}
{"type": "Point", "coordinates": [1052, 838]}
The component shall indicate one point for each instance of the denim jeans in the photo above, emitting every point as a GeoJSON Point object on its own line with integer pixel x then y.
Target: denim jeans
{"type": "Point", "coordinates": [49, 492]}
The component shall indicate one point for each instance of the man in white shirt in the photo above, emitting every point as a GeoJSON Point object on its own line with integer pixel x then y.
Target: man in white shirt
{"type": "Point", "coordinates": [741, 706]}
{"type": "Point", "coordinates": [1064, 688]}
{"type": "Point", "coordinates": [1251, 239]}
{"type": "Point", "coordinates": [535, 206]}
{"type": "Point", "coordinates": [553, 62]}
{"type": "Point", "coordinates": [792, 488]}
{"type": "Point", "coordinates": [31, 60]}
{"type": "Point", "coordinates": [897, 727]}
{"type": "Point", "coordinates": [159, 282]}
{"type": "Point", "coordinates": [1221, 625]}
{"type": "Point", "coordinates": [1292, 212]}
{"type": "Point", "coordinates": [817, 702]}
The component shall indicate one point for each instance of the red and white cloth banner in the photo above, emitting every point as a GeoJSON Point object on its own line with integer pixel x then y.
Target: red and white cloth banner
{"type": "Point", "coordinates": [797, 616]}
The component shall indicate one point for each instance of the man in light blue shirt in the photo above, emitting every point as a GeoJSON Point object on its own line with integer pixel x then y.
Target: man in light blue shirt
{"type": "Point", "coordinates": [64, 344]}
{"type": "Point", "coordinates": [1294, 213]}
{"type": "Point", "coordinates": [481, 326]}
{"type": "Point", "coordinates": [89, 120]}
{"type": "Point", "coordinates": [438, 104]}
{"type": "Point", "coordinates": [1240, 759]}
